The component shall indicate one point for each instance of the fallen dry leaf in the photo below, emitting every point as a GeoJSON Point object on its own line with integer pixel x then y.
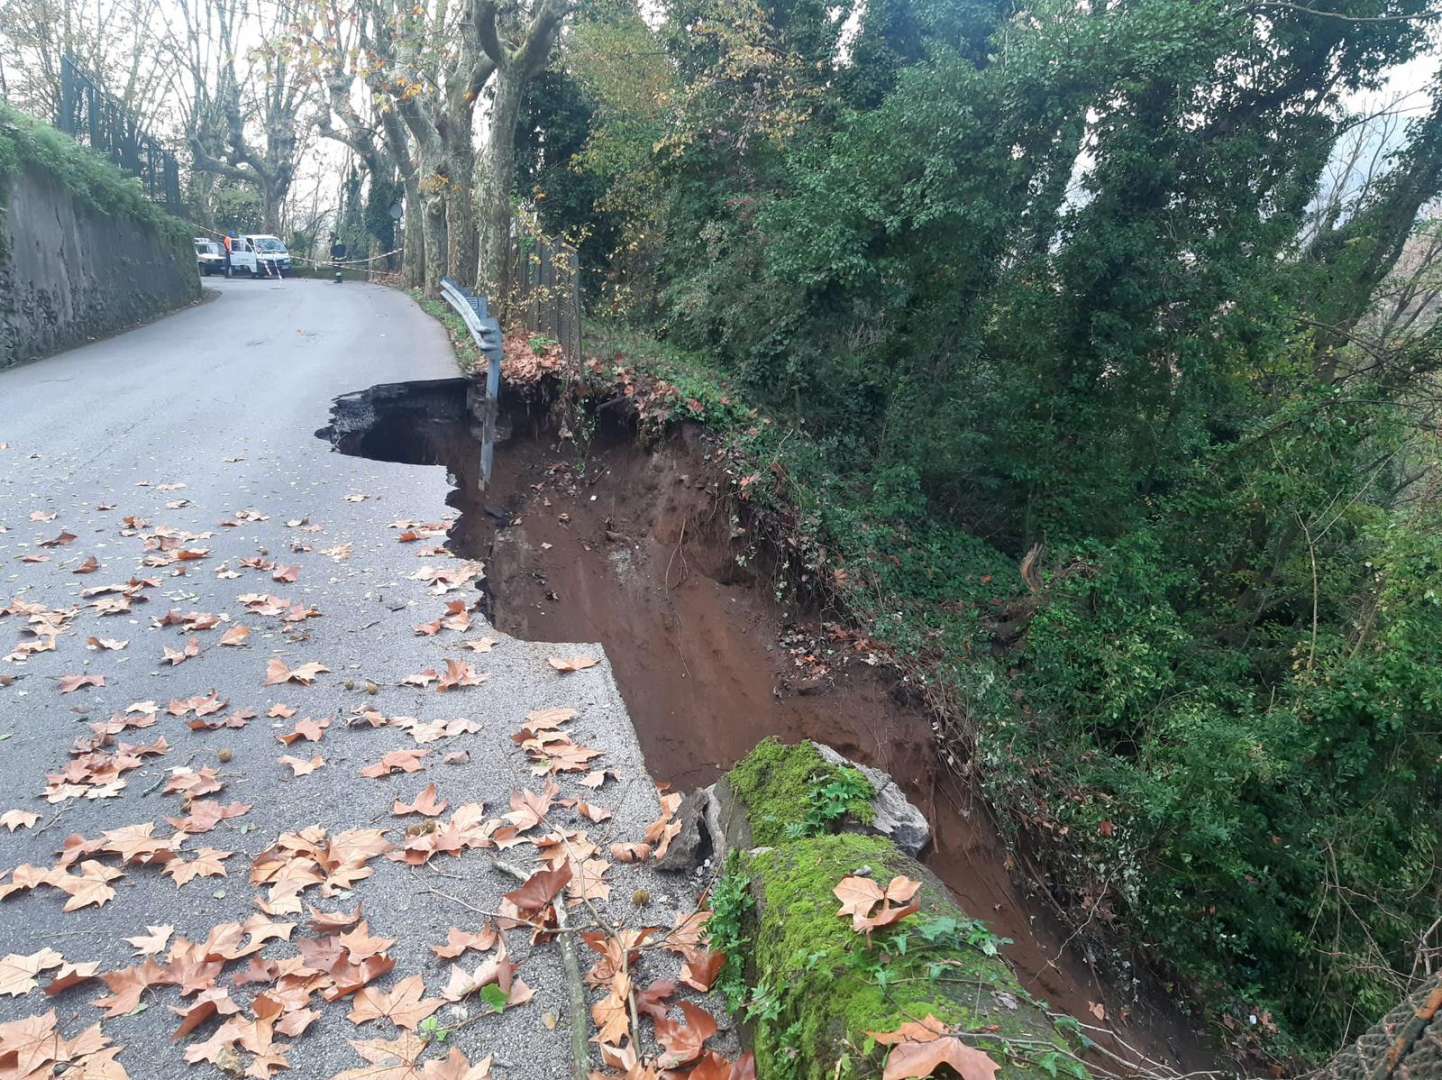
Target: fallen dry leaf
{"type": "Point", "coordinates": [213, 1002]}
{"type": "Point", "coordinates": [310, 730]}
{"type": "Point", "coordinates": [396, 761]}
{"type": "Point", "coordinates": [859, 895]}
{"type": "Point", "coordinates": [566, 665]}
{"type": "Point", "coordinates": [177, 657]}
{"type": "Point", "coordinates": [539, 890]}
{"type": "Point", "coordinates": [458, 674]}
{"type": "Point", "coordinates": [328, 922]}
{"type": "Point", "coordinates": [684, 1042]}
{"type": "Point", "coordinates": [153, 943]}
{"type": "Point", "coordinates": [630, 853]}
{"type": "Point", "coordinates": [18, 819]}
{"type": "Point", "coordinates": [207, 863]}
{"type": "Point", "coordinates": [702, 968]}
{"type": "Point", "coordinates": [300, 767]}
{"type": "Point", "coordinates": [425, 803]}
{"type": "Point", "coordinates": [405, 1005]}
{"type": "Point", "coordinates": [920, 1048]}
{"type": "Point", "coordinates": [206, 814]}
{"type": "Point", "coordinates": [91, 887]}
{"type": "Point", "coordinates": [17, 973]}
{"type": "Point", "coordinates": [458, 941]}
{"type": "Point", "coordinates": [236, 635]}
{"type": "Point", "coordinates": [70, 683]}
{"type": "Point", "coordinates": [361, 945]}
{"type": "Point", "coordinates": [652, 1000]}
{"type": "Point", "coordinates": [68, 976]}
{"type": "Point", "coordinates": [192, 783]}
{"type": "Point", "coordinates": [277, 672]}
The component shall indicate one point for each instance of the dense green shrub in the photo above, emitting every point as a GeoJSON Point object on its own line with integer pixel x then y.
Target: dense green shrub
{"type": "Point", "coordinates": [1049, 279]}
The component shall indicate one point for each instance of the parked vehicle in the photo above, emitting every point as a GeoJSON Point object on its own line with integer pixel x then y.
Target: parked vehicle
{"type": "Point", "coordinates": [272, 252]}
{"type": "Point", "coordinates": [259, 255]}
{"type": "Point", "coordinates": [209, 256]}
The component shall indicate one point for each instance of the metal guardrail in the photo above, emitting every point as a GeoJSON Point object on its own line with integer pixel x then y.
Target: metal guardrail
{"type": "Point", "coordinates": [486, 331]}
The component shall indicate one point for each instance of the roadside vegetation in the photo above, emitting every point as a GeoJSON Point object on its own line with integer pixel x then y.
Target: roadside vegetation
{"type": "Point", "coordinates": [83, 174]}
{"type": "Point", "coordinates": [1100, 386]}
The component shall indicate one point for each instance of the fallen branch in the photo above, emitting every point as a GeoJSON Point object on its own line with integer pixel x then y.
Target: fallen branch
{"type": "Point", "coordinates": [575, 989]}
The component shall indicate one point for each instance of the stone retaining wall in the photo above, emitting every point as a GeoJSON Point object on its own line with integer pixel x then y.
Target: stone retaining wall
{"type": "Point", "coordinates": [71, 269]}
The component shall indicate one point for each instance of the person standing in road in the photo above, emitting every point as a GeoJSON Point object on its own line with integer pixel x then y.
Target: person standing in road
{"type": "Point", "coordinates": [227, 239]}
{"type": "Point", "coordinates": [337, 254]}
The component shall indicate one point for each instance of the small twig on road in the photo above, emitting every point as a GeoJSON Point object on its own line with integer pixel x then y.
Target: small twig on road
{"type": "Point", "coordinates": [511, 918]}
{"type": "Point", "coordinates": [54, 819]}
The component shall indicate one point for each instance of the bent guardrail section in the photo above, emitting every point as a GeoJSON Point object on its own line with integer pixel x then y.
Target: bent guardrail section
{"type": "Point", "coordinates": [475, 313]}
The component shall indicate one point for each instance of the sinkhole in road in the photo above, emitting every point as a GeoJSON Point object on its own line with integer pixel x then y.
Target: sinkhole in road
{"type": "Point", "coordinates": [639, 547]}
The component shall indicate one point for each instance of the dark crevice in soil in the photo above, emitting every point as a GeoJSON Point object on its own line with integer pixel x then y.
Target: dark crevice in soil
{"type": "Point", "coordinates": [638, 548]}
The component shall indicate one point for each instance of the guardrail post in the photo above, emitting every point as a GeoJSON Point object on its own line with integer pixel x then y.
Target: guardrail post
{"type": "Point", "coordinates": [486, 331]}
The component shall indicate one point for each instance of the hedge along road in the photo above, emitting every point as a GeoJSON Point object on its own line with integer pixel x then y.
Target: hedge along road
{"type": "Point", "coordinates": [208, 417]}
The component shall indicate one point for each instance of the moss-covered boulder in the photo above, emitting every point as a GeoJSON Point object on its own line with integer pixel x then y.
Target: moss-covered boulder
{"type": "Point", "coordinates": [792, 825]}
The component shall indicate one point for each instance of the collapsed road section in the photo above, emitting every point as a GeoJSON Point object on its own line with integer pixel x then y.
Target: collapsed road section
{"type": "Point", "coordinates": [641, 549]}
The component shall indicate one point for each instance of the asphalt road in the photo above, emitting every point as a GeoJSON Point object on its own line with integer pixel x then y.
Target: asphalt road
{"type": "Point", "coordinates": [224, 399]}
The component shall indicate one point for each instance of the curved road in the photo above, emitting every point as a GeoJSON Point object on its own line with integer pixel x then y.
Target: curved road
{"type": "Point", "coordinates": [223, 398]}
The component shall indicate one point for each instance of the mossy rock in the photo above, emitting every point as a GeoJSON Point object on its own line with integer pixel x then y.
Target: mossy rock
{"type": "Point", "coordinates": [816, 986]}
{"type": "Point", "coordinates": [775, 782]}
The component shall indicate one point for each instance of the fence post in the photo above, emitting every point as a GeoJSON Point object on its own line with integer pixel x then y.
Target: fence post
{"type": "Point", "coordinates": [545, 293]}
{"type": "Point", "coordinates": [573, 339]}
{"type": "Point", "coordinates": [66, 120]}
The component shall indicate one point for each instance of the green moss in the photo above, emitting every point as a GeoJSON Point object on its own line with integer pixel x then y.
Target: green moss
{"type": "Point", "coordinates": [814, 986]}
{"type": "Point", "coordinates": [822, 987]}
{"type": "Point", "coordinates": [781, 786]}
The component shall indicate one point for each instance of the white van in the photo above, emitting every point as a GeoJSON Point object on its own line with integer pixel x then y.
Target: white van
{"type": "Point", "coordinates": [259, 255]}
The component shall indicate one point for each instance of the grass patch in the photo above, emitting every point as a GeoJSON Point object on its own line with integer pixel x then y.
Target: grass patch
{"type": "Point", "coordinates": [468, 354]}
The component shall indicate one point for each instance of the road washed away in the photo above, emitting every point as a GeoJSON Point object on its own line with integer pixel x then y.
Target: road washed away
{"type": "Point", "coordinates": [277, 797]}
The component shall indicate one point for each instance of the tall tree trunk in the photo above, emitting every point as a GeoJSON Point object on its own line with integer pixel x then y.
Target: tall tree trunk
{"type": "Point", "coordinates": [499, 178]}
{"type": "Point", "coordinates": [270, 200]}
{"type": "Point", "coordinates": [434, 223]}
{"type": "Point", "coordinates": [461, 223]}
{"type": "Point", "coordinates": [414, 254]}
